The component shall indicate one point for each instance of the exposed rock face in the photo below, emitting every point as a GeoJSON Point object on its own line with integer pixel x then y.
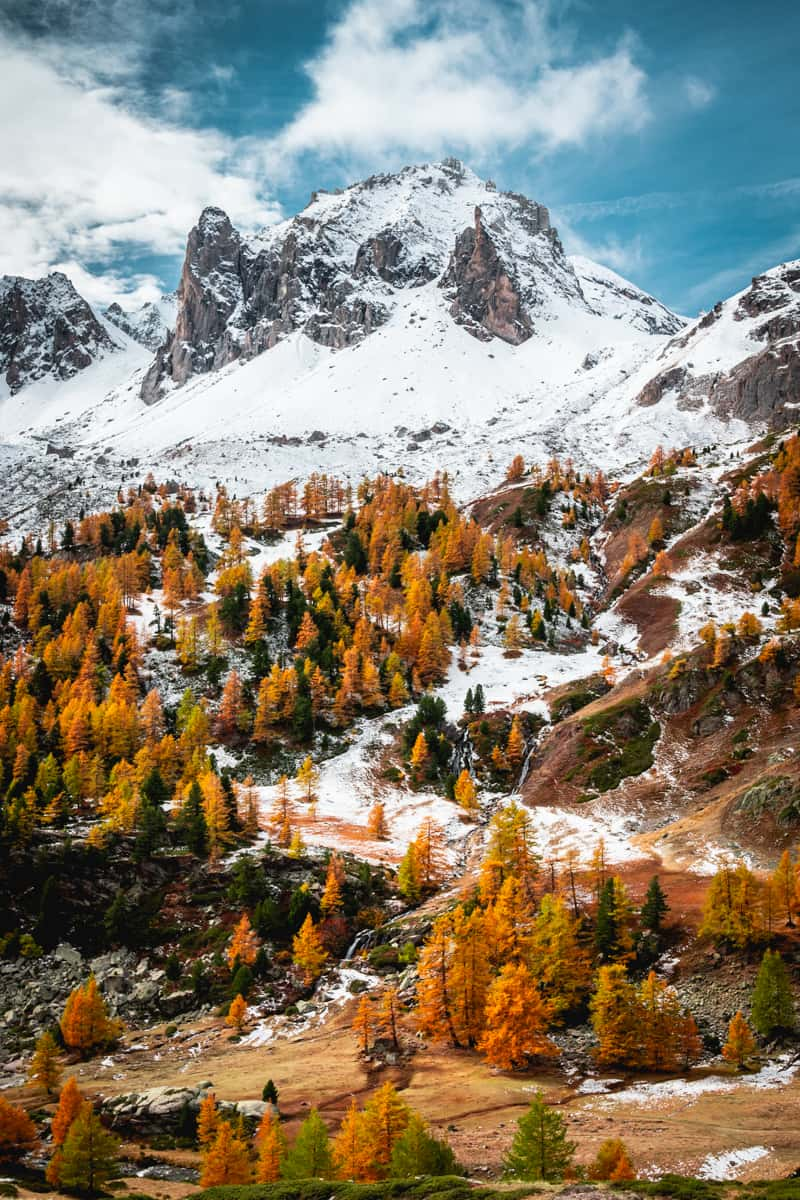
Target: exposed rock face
{"type": "Point", "coordinates": [160, 1109]}
{"type": "Point", "coordinates": [763, 386]}
{"type": "Point", "coordinates": [486, 299]}
{"type": "Point", "coordinates": [656, 388]}
{"type": "Point", "coordinates": [148, 325]}
{"type": "Point", "coordinates": [337, 269]}
{"type": "Point", "coordinates": [46, 328]}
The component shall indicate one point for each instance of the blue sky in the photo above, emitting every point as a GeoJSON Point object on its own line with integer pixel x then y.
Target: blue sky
{"type": "Point", "coordinates": [663, 136]}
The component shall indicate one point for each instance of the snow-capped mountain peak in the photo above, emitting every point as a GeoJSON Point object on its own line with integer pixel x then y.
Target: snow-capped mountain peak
{"type": "Point", "coordinates": [46, 329]}
{"type": "Point", "coordinates": [338, 270]}
{"type": "Point", "coordinates": [149, 324]}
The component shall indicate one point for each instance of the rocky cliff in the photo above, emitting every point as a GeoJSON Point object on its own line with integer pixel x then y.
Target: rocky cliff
{"type": "Point", "coordinates": [336, 271]}
{"type": "Point", "coordinates": [742, 358]}
{"type": "Point", "coordinates": [46, 328]}
{"type": "Point", "coordinates": [149, 325]}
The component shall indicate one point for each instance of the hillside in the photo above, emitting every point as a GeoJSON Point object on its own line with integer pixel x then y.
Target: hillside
{"type": "Point", "coordinates": [399, 671]}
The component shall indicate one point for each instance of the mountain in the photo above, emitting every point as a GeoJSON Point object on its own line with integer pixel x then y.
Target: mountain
{"type": "Point", "coordinates": [339, 269]}
{"type": "Point", "coordinates": [420, 321]}
{"type": "Point", "coordinates": [149, 324]}
{"type": "Point", "coordinates": [742, 358]}
{"type": "Point", "coordinates": [46, 329]}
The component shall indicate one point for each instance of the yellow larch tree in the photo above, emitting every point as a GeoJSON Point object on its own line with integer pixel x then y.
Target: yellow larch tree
{"type": "Point", "coordinates": [308, 952]}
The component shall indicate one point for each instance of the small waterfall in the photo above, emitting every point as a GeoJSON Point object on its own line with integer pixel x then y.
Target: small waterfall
{"type": "Point", "coordinates": [362, 941]}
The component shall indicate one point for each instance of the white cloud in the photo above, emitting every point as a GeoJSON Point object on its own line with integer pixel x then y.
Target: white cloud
{"type": "Point", "coordinates": [699, 92]}
{"type": "Point", "coordinates": [85, 179]}
{"type": "Point", "coordinates": [438, 76]}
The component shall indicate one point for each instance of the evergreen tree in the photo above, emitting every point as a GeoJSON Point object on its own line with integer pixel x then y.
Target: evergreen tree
{"type": "Point", "coordinates": [540, 1149]}
{"type": "Point", "coordinates": [773, 1005]}
{"type": "Point", "coordinates": [191, 822]}
{"type": "Point", "coordinates": [310, 1156]}
{"type": "Point", "coordinates": [270, 1093]}
{"type": "Point", "coordinates": [655, 906]}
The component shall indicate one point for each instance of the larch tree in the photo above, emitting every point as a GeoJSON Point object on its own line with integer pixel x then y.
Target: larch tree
{"type": "Point", "coordinates": [783, 886]}
{"type": "Point", "coordinates": [434, 987]}
{"type": "Point", "coordinates": [615, 1016]}
{"type": "Point", "coordinates": [351, 1150]}
{"type": "Point", "coordinates": [772, 1008]}
{"type": "Point", "coordinates": [377, 828]}
{"type": "Point", "coordinates": [237, 1013]}
{"type": "Point", "coordinates": [516, 1018]}
{"type": "Point", "coordinates": [208, 1120]}
{"type": "Point", "coordinates": [391, 1007]}
{"type": "Point", "coordinates": [612, 1162]}
{"type": "Point", "coordinates": [89, 1154]}
{"type": "Point", "coordinates": [308, 952]}
{"type": "Point", "coordinates": [363, 1023]}
{"type": "Point", "coordinates": [310, 1155]}
{"type": "Point", "coordinates": [271, 1146]}
{"type": "Point", "coordinates": [226, 1160]}
{"type": "Point", "coordinates": [417, 1152]}
{"type": "Point", "coordinates": [431, 855]}
{"type": "Point", "coordinates": [17, 1132]}
{"type": "Point", "coordinates": [332, 898]}
{"type": "Point", "coordinates": [466, 794]}
{"type": "Point", "coordinates": [386, 1116]}
{"type": "Point", "coordinates": [45, 1068]}
{"type": "Point", "coordinates": [419, 751]}
{"type": "Point", "coordinates": [69, 1105]}
{"type": "Point", "coordinates": [540, 1149]}
{"type": "Point", "coordinates": [308, 779]}
{"type": "Point", "coordinates": [557, 958]}
{"type": "Point", "coordinates": [740, 1045]}
{"type": "Point", "coordinates": [85, 1023]}
{"type": "Point", "coordinates": [243, 947]}
{"type": "Point", "coordinates": [408, 880]}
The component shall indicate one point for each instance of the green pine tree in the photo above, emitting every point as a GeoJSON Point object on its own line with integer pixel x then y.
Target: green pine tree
{"type": "Point", "coordinates": [89, 1153]}
{"type": "Point", "coordinates": [192, 822]}
{"type": "Point", "coordinates": [655, 906]}
{"type": "Point", "coordinates": [773, 1004]}
{"type": "Point", "coordinates": [605, 929]}
{"type": "Point", "coordinates": [540, 1149]}
{"type": "Point", "coordinates": [417, 1152]}
{"type": "Point", "coordinates": [310, 1156]}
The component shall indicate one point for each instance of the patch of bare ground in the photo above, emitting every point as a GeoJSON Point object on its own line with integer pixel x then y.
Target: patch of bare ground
{"type": "Point", "coordinates": [474, 1107]}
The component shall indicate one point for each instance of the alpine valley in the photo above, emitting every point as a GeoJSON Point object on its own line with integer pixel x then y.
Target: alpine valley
{"type": "Point", "coordinates": [399, 684]}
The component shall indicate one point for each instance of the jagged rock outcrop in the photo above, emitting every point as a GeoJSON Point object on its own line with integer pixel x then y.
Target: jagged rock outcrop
{"type": "Point", "coordinates": [764, 388]}
{"type": "Point", "coordinates": [148, 325]}
{"type": "Point", "coordinates": [46, 328]}
{"type": "Point", "coordinates": [759, 383]}
{"type": "Point", "coordinates": [161, 1109]}
{"type": "Point", "coordinates": [336, 271]}
{"type": "Point", "coordinates": [485, 295]}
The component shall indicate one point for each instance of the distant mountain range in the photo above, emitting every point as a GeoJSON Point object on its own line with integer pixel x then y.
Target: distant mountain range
{"type": "Point", "coordinates": [409, 302]}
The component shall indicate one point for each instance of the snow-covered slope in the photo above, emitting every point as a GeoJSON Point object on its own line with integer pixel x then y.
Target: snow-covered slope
{"type": "Point", "coordinates": [741, 359]}
{"type": "Point", "coordinates": [149, 324]}
{"type": "Point", "coordinates": [339, 270]}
